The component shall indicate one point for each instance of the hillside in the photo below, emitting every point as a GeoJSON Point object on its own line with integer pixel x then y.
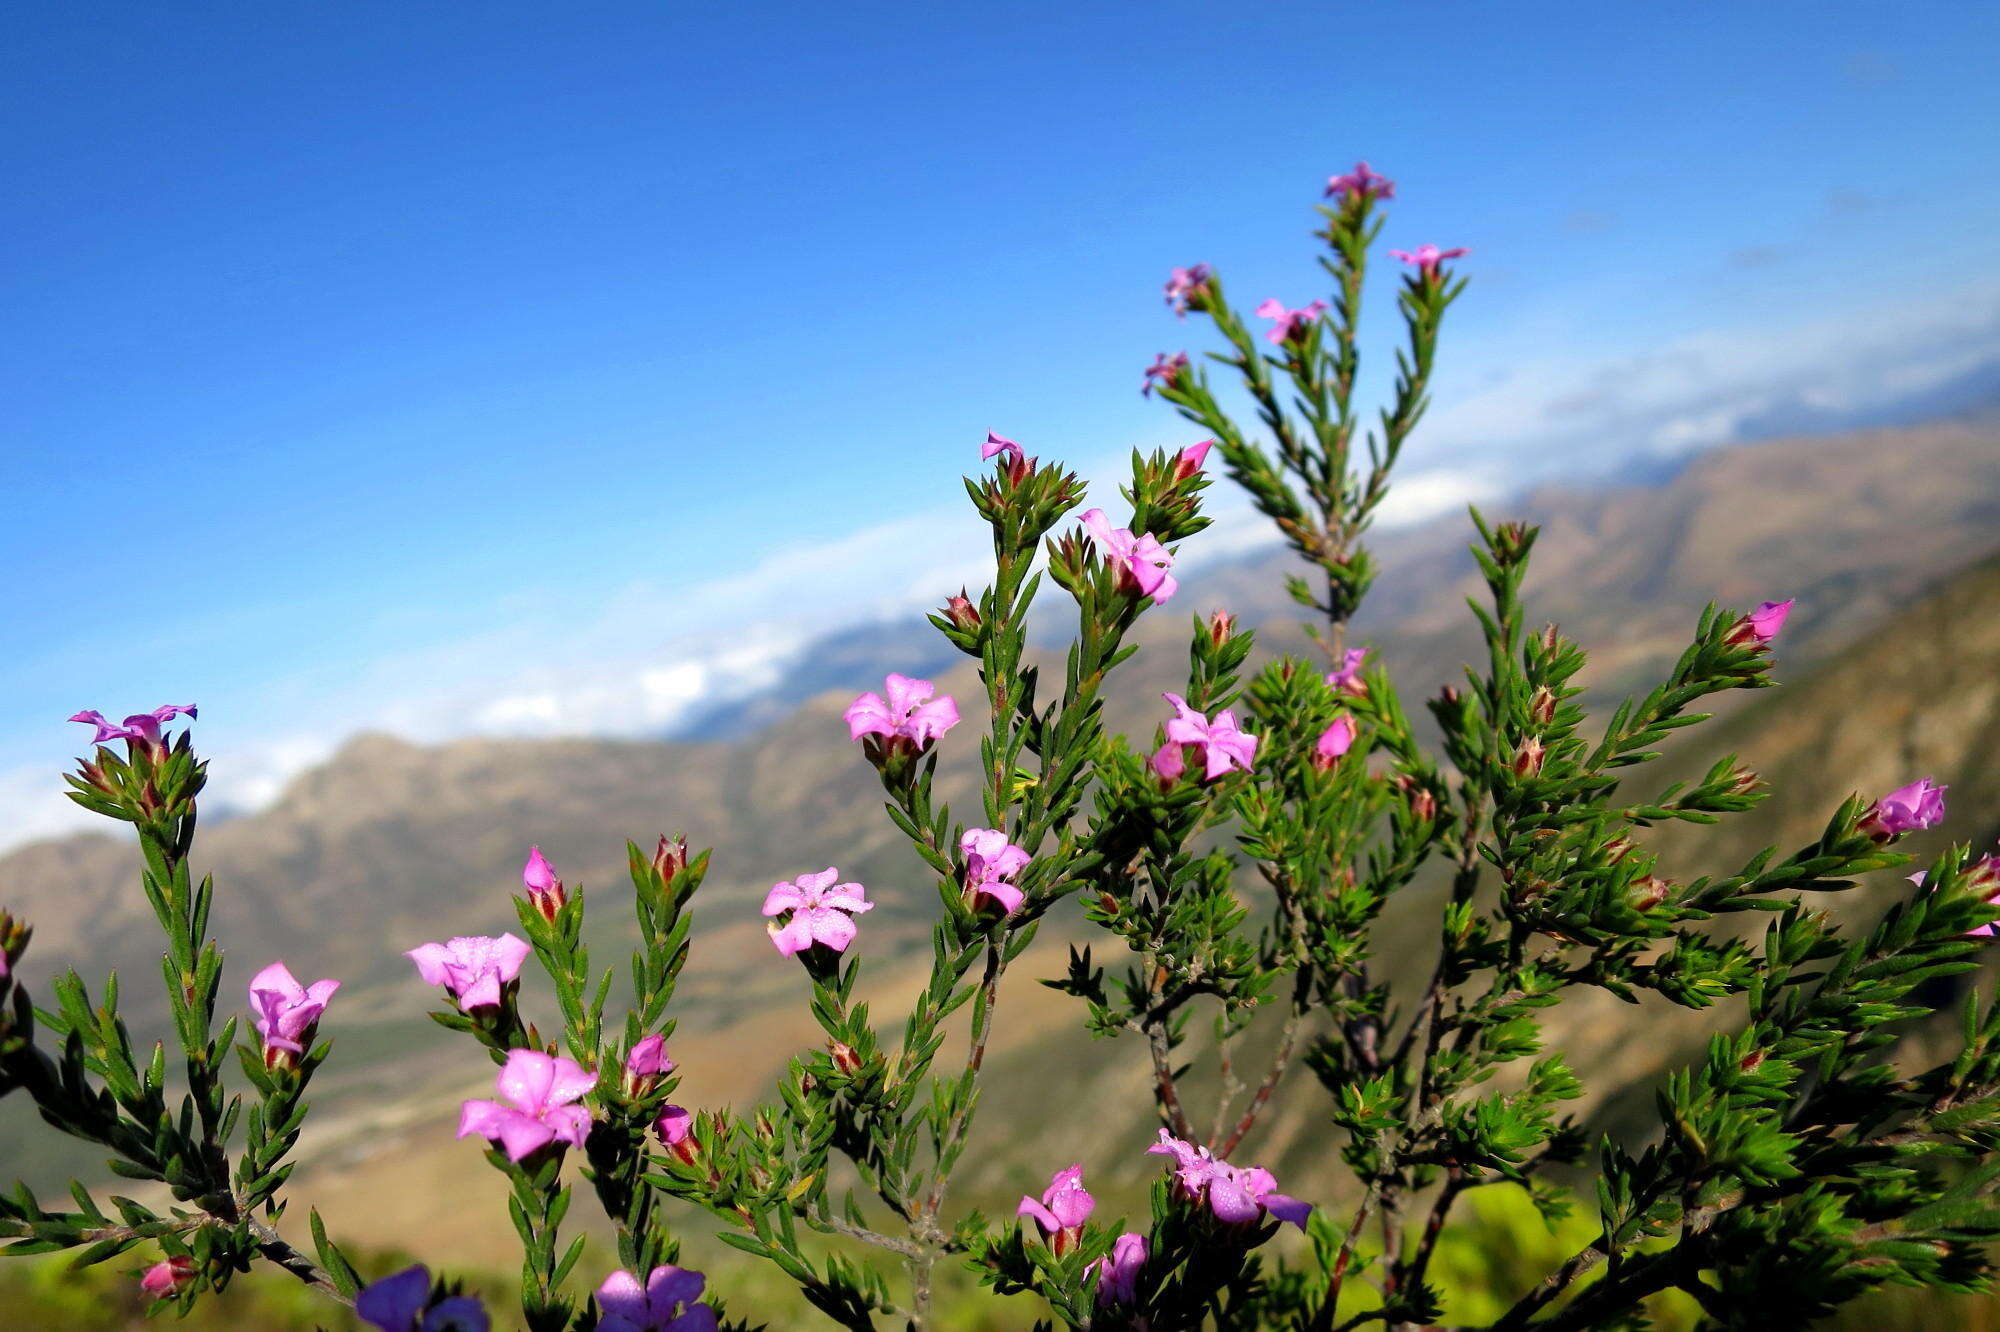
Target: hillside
{"type": "Point", "coordinates": [389, 843]}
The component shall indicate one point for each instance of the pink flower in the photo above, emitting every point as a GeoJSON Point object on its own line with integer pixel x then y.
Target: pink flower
{"type": "Point", "coordinates": [1235, 1194]}
{"type": "Point", "coordinates": [1222, 743]}
{"type": "Point", "coordinates": [1347, 678]}
{"type": "Point", "coordinates": [1333, 742]}
{"type": "Point", "coordinates": [1982, 877]}
{"type": "Point", "coordinates": [1163, 372]}
{"type": "Point", "coordinates": [991, 862]}
{"type": "Point", "coordinates": [1292, 325]}
{"type": "Point", "coordinates": [1360, 183]}
{"type": "Point", "coordinates": [675, 1125]}
{"type": "Point", "coordinates": [822, 912]}
{"type": "Point", "coordinates": [402, 1303]}
{"type": "Point", "coordinates": [1760, 626]}
{"type": "Point", "coordinates": [142, 727]}
{"type": "Point", "coordinates": [909, 716]}
{"type": "Point", "coordinates": [542, 1090]}
{"type": "Point", "coordinates": [1065, 1205]}
{"type": "Point", "coordinates": [1118, 1271]}
{"type": "Point", "coordinates": [168, 1277]}
{"type": "Point", "coordinates": [287, 1012]}
{"type": "Point", "coordinates": [545, 888]}
{"type": "Point", "coordinates": [1188, 462]}
{"type": "Point", "coordinates": [1906, 809]}
{"type": "Point", "coordinates": [472, 968]}
{"type": "Point", "coordinates": [1142, 563]}
{"type": "Point", "coordinates": [646, 1063]}
{"type": "Point", "coordinates": [666, 1303]}
{"type": "Point", "coordinates": [1186, 288]}
{"type": "Point", "coordinates": [1426, 258]}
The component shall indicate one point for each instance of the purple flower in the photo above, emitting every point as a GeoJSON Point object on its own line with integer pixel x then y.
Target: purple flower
{"type": "Point", "coordinates": [1333, 742]}
{"type": "Point", "coordinates": [1292, 325]}
{"type": "Point", "coordinates": [1760, 626]}
{"type": "Point", "coordinates": [1360, 183]}
{"type": "Point", "coordinates": [142, 727]}
{"type": "Point", "coordinates": [648, 1057]}
{"type": "Point", "coordinates": [822, 911]}
{"type": "Point", "coordinates": [472, 968]}
{"type": "Point", "coordinates": [1426, 258]}
{"type": "Point", "coordinates": [991, 862]}
{"type": "Point", "coordinates": [675, 1125]}
{"type": "Point", "coordinates": [1222, 744]}
{"type": "Point", "coordinates": [909, 715]}
{"type": "Point", "coordinates": [1142, 563]}
{"type": "Point", "coordinates": [1906, 809]}
{"type": "Point", "coordinates": [1163, 372]}
{"type": "Point", "coordinates": [401, 1303]}
{"type": "Point", "coordinates": [542, 1090]}
{"type": "Point", "coordinates": [1346, 679]}
{"type": "Point", "coordinates": [1064, 1206]}
{"type": "Point", "coordinates": [1187, 287]}
{"type": "Point", "coordinates": [999, 444]}
{"type": "Point", "coordinates": [1118, 1271]}
{"type": "Point", "coordinates": [666, 1303]}
{"type": "Point", "coordinates": [287, 1012]}
{"type": "Point", "coordinates": [1235, 1194]}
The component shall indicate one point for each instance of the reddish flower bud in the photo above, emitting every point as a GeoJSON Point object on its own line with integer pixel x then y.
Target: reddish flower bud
{"type": "Point", "coordinates": [1647, 893]}
{"type": "Point", "coordinates": [1423, 803]}
{"type": "Point", "coordinates": [1221, 627]}
{"type": "Point", "coordinates": [961, 612]}
{"type": "Point", "coordinates": [1528, 758]}
{"type": "Point", "coordinates": [1542, 706]}
{"type": "Point", "coordinates": [670, 859]}
{"type": "Point", "coordinates": [844, 1057]}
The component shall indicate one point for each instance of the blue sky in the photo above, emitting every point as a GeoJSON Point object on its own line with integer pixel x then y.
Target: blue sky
{"type": "Point", "coordinates": [449, 368]}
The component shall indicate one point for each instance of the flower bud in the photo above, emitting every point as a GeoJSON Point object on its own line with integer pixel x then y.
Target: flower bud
{"type": "Point", "coordinates": [670, 859]}
{"type": "Point", "coordinates": [645, 1064]}
{"type": "Point", "coordinates": [1423, 803]}
{"type": "Point", "coordinates": [1647, 893]}
{"type": "Point", "coordinates": [168, 1277]}
{"type": "Point", "coordinates": [1188, 462]}
{"type": "Point", "coordinates": [1542, 706]}
{"type": "Point", "coordinates": [1221, 627]}
{"type": "Point", "coordinates": [1760, 626]}
{"type": "Point", "coordinates": [545, 889]}
{"type": "Point", "coordinates": [961, 612]}
{"type": "Point", "coordinates": [676, 1129]}
{"type": "Point", "coordinates": [1528, 758]}
{"type": "Point", "coordinates": [844, 1057]}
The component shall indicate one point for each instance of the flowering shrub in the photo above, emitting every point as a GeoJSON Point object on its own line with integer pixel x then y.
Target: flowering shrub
{"type": "Point", "coordinates": [1237, 863]}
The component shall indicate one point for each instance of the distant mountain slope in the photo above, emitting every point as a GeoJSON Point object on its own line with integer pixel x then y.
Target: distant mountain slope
{"type": "Point", "coordinates": [389, 844]}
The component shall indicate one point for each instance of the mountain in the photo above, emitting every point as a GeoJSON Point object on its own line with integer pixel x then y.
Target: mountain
{"type": "Point", "coordinates": [1880, 534]}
